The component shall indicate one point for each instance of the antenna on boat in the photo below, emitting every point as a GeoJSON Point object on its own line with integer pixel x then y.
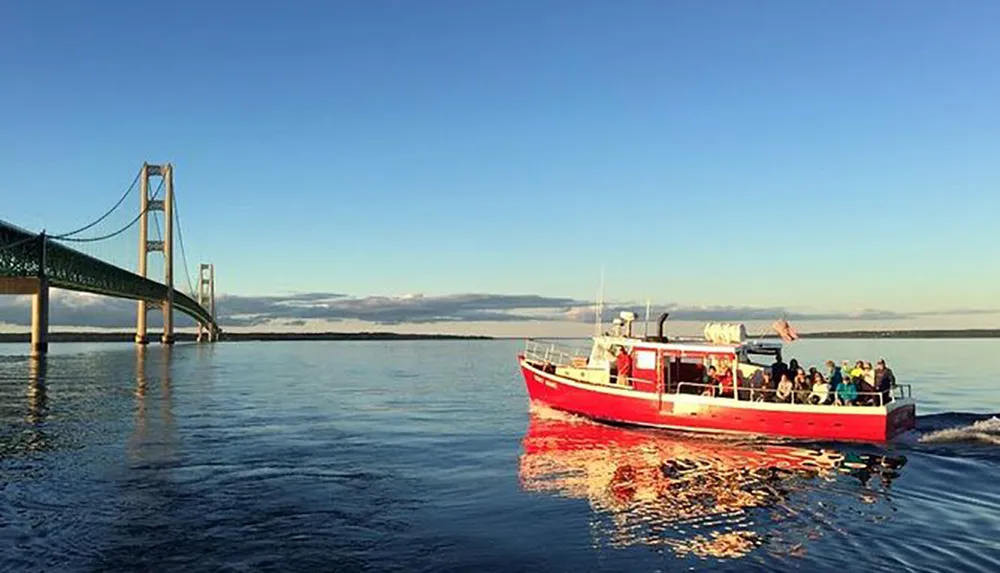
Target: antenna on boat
{"type": "Point", "coordinates": [646, 333]}
{"type": "Point", "coordinates": [600, 304]}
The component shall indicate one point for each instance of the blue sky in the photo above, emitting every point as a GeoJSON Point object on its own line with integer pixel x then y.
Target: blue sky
{"type": "Point", "coordinates": [818, 155]}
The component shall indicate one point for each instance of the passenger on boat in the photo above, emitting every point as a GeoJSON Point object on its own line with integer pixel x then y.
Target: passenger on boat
{"type": "Point", "coordinates": [858, 372]}
{"type": "Point", "coordinates": [784, 393]}
{"type": "Point", "coordinates": [820, 390]}
{"type": "Point", "coordinates": [835, 375]}
{"type": "Point", "coordinates": [779, 368]}
{"type": "Point", "coordinates": [624, 364]}
{"type": "Point", "coordinates": [710, 381]}
{"type": "Point", "coordinates": [762, 391]}
{"type": "Point", "coordinates": [866, 391]}
{"type": "Point", "coordinates": [847, 393]}
{"type": "Point", "coordinates": [884, 380]}
{"type": "Point", "coordinates": [802, 387]}
{"type": "Point", "coordinates": [869, 374]}
{"type": "Point", "coordinates": [793, 367]}
{"type": "Point", "coordinates": [845, 370]}
{"type": "Point", "coordinates": [725, 379]}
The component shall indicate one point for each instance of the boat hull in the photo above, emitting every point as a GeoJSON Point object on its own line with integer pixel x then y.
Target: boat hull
{"type": "Point", "coordinates": [726, 415]}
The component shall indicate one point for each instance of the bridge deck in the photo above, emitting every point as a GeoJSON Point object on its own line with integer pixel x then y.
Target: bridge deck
{"type": "Point", "coordinates": [21, 253]}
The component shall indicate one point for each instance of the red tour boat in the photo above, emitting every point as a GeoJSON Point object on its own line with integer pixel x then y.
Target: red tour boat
{"type": "Point", "coordinates": [667, 387]}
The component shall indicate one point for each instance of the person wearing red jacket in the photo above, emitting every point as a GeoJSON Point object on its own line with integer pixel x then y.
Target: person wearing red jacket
{"type": "Point", "coordinates": [624, 363]}
{"type": "Point", "coordinates": [725, 379]}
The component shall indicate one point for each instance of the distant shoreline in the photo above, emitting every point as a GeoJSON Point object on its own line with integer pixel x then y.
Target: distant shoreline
{"type": "Point", "coordinates": [235, 336]}
{"type": "Point", "coordinates": [14, 337]}
{"type": "Point", "coordinates": [927, 334]}
{"type": "Point", "coordinates": [847, 334]}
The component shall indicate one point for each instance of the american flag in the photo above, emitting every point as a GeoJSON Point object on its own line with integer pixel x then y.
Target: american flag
{"type": "Point", "coordinates": [785, 330]}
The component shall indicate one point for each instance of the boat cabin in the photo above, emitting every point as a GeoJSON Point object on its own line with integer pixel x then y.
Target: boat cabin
{"type": "Point", "coordinates": [670, 365]}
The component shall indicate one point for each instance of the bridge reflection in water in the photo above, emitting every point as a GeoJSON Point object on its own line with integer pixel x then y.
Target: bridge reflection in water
{"type": "Point", "coordinates": [35, 435]}
{"type": "Point", "coordinates": [153, 442]}
{"type": "Point", "coordinates": [699, 496]}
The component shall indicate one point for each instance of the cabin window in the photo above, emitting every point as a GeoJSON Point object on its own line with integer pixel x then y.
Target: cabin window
{"type": "Point", "coordinates": [645, 359]}
{"type": "Point", "coordinates": [684, 374]}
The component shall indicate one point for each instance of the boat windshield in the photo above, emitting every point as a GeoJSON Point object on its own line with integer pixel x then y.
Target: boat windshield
{"type": "Point", "coordinates": [601, 355]}
{"type": "Point", "coordinates": [759, 356]}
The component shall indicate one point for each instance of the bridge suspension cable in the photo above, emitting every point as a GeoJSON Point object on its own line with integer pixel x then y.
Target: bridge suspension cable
{"type": "Point", "coordinates": [119, 231]}
{"type": "Point", "coordinates": [180, 238]}
{"type": "Point", "coordinates": [124, 196]}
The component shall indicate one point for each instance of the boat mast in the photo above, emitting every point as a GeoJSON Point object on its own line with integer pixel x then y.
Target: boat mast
{"type": "Point", "coordinates": [646, 333]}
{"type": "Point", "coordinates": [600, 305]}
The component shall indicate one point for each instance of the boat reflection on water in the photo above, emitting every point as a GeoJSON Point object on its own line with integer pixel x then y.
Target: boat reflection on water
{"type": "Point", "coordinates": [697, 495]}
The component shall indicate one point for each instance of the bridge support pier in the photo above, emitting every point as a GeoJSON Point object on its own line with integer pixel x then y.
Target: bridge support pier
{"type": "Point", "coordinates": [40, 304]}
{"type": "Point", "coordinates": [40, 320]}
{"type": "Point", "coordinates": [168, 323]}
{"type": "Point", "coordinates": [38, 288]}
{"type": "Point", "coordinates": [140, 326]}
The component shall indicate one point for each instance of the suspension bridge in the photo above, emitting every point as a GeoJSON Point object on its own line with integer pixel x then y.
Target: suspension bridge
{"type": "Point", "coordinates": [32, 263]}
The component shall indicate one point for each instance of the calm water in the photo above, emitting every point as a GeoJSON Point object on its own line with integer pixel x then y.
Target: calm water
{"type": "Point", "coordinates": [424, 456]}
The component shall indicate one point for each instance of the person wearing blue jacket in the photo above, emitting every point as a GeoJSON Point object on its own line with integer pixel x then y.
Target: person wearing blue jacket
{"type": "Point", "coordinates": [843, 388]}
{"type": "Point", "coordinates": [835, 376]}
{"type": "Point", "coordinates": [847, 393]}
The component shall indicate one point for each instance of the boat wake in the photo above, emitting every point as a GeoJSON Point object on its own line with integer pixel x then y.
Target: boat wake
{"type": "Point", "coordinates": [545, 412]}
{"type": "Point", "coordinates": [984, 430]}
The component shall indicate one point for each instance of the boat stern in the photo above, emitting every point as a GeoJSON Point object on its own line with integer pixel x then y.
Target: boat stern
{"type": "Point", "coordinates": [900, 418]}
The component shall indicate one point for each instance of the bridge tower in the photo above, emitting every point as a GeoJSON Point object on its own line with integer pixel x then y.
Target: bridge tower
{"type": "Point", "coordinates": [166, 246]}
{"type": "Point", "coordinates": [206, 298]}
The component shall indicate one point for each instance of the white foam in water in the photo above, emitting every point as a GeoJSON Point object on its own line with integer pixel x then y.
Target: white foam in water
{"type": "Point", "coordinates": [983, 431]}
{"type": "Point", "coordinates": [547, 413]}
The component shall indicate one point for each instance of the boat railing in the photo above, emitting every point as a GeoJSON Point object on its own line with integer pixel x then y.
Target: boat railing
{"type": "Point", "coordinates": [749, 394]}
{"type": "Point", "coordinates": [902, 391]}
{"type": "Point", "coordinates": [552, 353]}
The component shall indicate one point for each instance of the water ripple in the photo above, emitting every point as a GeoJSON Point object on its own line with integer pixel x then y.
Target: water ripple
{"type": "Point", "coordinates": [417, 456]}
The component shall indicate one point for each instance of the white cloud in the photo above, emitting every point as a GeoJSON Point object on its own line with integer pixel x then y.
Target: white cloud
{"type": "Point", "coordinates": [313, 310]}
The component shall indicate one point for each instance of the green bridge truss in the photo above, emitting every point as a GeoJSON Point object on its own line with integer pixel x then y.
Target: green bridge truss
{"type": "Point", "coordinates": [22, 253]}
